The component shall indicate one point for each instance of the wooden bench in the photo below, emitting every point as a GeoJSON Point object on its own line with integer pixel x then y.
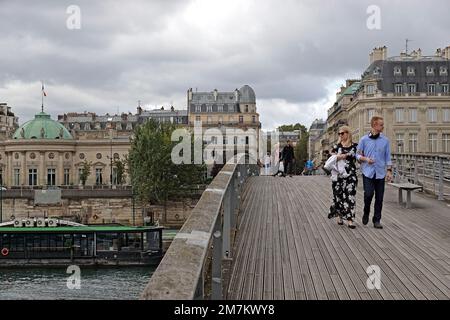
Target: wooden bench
{"type": "Point", "coordinates": [408, 187]}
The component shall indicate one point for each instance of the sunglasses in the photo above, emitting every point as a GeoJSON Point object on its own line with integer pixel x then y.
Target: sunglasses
{"type": "Point", "coordinates": [342, 133]}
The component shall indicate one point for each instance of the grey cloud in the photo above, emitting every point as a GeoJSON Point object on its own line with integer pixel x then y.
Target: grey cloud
{"type": "Point", "coordinates": [155, 50]}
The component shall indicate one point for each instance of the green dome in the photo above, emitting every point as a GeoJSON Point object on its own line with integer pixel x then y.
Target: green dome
{"type": "Point", "coordinates": [42, 127]}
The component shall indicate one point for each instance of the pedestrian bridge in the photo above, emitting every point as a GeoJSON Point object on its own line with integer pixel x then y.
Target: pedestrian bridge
{"type": "Point", "coordinates": [260, 237]}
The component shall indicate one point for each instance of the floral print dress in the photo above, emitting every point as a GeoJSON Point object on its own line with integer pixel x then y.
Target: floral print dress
{"type": "Point", "coordinates": [344, 189]}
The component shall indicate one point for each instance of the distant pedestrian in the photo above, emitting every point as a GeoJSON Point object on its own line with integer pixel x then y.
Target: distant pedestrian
{"type": "Point", "coordinates": [267, 164]}
{"type": "Point", "coordinates": [344, 181]}
{"type": "Point", "coordinates": [288, 158]}
{"type": "Point", "coordinates": [374, 153]}
{"type": "Point", "coordinates": [309, 166]}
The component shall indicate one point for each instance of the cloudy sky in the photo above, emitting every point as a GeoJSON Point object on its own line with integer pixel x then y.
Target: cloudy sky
{"type": "Point", "coordinates": [294, 53]}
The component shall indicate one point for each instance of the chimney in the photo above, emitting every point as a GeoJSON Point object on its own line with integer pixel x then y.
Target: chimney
{"type": "Point", "coordinates": [189, 94]}
{"type": "Point", "coordinates": [438, 53]}
{"type": "Point", "coordinates": [378, 54]}
{"type": "Point", "coordinates": [215, 94]}
{"type": "Point", "coordinates": [419, 53]}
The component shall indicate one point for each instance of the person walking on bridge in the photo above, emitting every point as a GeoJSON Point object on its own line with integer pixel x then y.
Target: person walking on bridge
{"type": "Point", "coordinates": [374, 153]}
{"type": "Point", "coordinates": [344, 186]}
{"type": "Point", "coordinates": [288, 158]}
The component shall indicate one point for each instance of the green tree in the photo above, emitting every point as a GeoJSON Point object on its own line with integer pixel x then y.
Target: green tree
{"type": "Point", "coordinates": [85, 171]}
{"type": "Point", "coordinates": [155, 178]}
{"type": "Point", "coordinates": [120, 170]}
{"type": "Point", "coordinates": [301, 151]}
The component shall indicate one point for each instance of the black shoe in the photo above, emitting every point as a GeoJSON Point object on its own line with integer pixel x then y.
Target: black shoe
{"type": "Point", "coordinates": [377, 225]}
{"type": "Point", "coordinates": [365, 219]}
{"type": "Point", "coordinates": [351, 226]}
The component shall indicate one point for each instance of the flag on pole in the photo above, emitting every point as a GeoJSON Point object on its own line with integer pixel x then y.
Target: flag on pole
{"type": "Point", "coordinates": [43, 92]}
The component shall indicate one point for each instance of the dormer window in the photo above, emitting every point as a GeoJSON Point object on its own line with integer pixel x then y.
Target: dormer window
{"type": "Point", "coordinates": [430, 71]}
{"type": "Point", "coordinates": [411, 71]}
{"type": "Point", "coordinates": [370, 89]}
{"type": "Point", "coordinates": [443, 71]}
{"type": "Point", "coordinates": [376, 71]}
{"type": "Point", "coordinates": [397, 71]}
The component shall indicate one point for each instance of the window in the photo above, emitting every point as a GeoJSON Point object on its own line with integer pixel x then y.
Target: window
{"type": "Point", "coordinates": [398, 88]}
{"type": "Point", "coordinates": [66, 177]}
{"type": "Point", "coordinates": [397, 71]}
{"type": "Point", "coordinates": [432, 142]}
{"type": "Point", "coordinates": [446, 142]}
{"type": "Point", "coordinates": [430, 71]}
{"type": "Point", "coordinates": [370, 114]}
{"type": "Point", "coordinates": [399, 114]}
{"type": "Point", "coordinates": [370, 89]}
{"type": "Point", "coordinates": [197, 118]}
{"type": "Point", "coordinates": [16, 177]}
{"type": "Point", "coordinates": [80, 173]}
{"type": "Point", "coordinates": [432, 115]}
{"type": "Point", "coordinates": [253, 119]}
{"type": "Point", "coordinates": [445, 88]}
{"type": "Point", "coordinates": [220, 108]}
{"type": "Point", "coordinates": [1, 177]}
{"type": "Point", "coordinates": [411, 71]}
{"type": "Point", "coordinates": [376, 71]}
{"type": "Point", "coordinates": [413, 142]}
{"type": "Point", "coordinates": [197, 109]}
{"type": "Point", "coordinates": [412, 88]}
{"type": "Point", "coordinates": [446, 114]}
{"type": "Point", "coordinates": [246, 108]}
{"type": "Point", "coordinates": [399, 142]}
{"type": "Point", "coordinates": [241, 119]}
{"type": "Point", "coordinates": [443, 71]}
{"type": "Point", "coordinates": [209, 120]}
{"type": "Point", "coordinates": [32, 177]}
{"type": "Point", "coordinates": [431, 88]}
{"type": "Point", "coordinates": [413, 115]}
{"type": "Point", "coordinates": [209, 109]}
{"type": "Point", "coordinates": [51, 177]}
{"type": "Point", "coordinates": [98, 176]}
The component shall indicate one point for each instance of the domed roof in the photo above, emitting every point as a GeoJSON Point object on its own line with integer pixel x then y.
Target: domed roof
{"type": "Point", "coordinates": [247, 95]}
{"type": "Point", "coordinates": [42, 127]}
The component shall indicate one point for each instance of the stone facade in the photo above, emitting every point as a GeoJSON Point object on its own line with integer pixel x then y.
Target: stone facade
{"type": "Point", "coordinates": [411, 93]}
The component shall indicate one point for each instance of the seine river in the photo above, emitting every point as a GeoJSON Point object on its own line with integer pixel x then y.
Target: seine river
{"type": "Point", "coordinates": [125, 283]}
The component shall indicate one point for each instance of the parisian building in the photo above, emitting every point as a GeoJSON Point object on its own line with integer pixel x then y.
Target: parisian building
{"type": "Point", "coordinates": [411, 93]}
{"type": "Point", "coordinates": [222, 111]}
{"type": "Point", "coordinates": [45, 153]}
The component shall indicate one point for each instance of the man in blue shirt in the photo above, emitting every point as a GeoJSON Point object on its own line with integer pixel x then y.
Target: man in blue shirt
{"type": "Point", "coordinates": [374, 153]}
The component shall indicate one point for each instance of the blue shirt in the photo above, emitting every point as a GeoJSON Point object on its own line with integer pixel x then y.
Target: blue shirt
{"type": "Point", "coordinates": [378, 150]}
{"type": "Point", "coordinates": [309, 164]}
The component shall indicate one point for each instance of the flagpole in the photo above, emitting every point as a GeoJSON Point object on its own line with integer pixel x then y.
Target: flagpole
{"type": "Point", "coordinates": [42, 95]}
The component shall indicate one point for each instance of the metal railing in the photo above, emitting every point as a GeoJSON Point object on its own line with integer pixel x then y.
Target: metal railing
{"type": "Point", "coordinates": [430, 171]}
{"type": "Point", "coordinates": [198, 262]}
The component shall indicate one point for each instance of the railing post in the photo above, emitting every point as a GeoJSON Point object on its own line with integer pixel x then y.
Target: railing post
{"type": "Point", "coordinates": [216, 270]}
{"type": "Point", "coordinates": [441, 179]}
{"type": "Point", "coordinates": [227, 213]}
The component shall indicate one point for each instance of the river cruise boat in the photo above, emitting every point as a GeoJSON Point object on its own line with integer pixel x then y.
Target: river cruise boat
{"type": "Point", "coordinates": [53, 242]}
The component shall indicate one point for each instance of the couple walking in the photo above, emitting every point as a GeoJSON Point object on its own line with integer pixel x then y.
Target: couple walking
{"type": "Point", "coordinates": [373, 152]}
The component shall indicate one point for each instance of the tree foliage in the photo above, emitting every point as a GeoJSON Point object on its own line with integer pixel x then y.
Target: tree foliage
{"type": "Point", "coordinates": [155, 178]}
{"type": "Point", "coordinates": [120, 170]}
{"type": "Point", "coordinates": [85, 171]}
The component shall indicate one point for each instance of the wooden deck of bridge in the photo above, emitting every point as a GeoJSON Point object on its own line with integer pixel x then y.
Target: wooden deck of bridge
{"type": "Point", "coordinates": [287, 248]}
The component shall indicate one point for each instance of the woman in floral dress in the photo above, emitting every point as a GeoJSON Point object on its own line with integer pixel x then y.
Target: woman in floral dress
{"type": "Point", "coordinates": [344, 189]}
